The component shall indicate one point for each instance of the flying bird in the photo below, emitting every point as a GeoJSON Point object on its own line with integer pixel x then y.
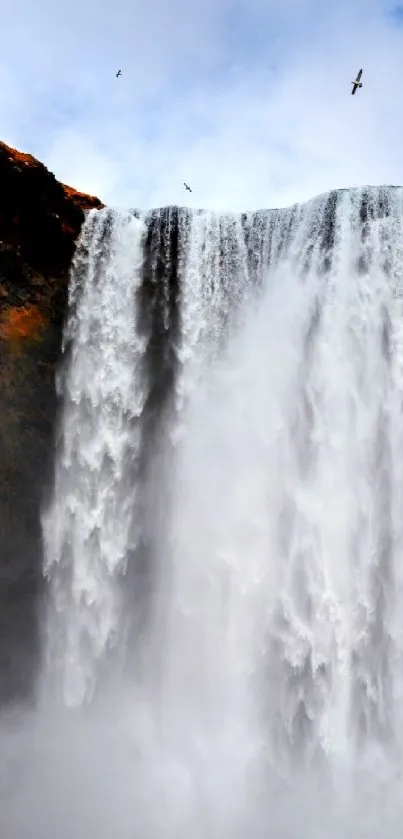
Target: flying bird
{"type": "Point", "coordinates": [357, 82]}
{"type": "Point", "coordinates": [186, 186]}
{"type": "Point", "coordinates": [119, 73]}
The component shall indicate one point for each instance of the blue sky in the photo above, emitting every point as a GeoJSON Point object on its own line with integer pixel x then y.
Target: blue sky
{"type": "Point", "coordinates": [246, 100]}
{"type": "Point", "coordinates": [396, 13]}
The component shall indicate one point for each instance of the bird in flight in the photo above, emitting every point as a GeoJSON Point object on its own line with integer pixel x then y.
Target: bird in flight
{"type": "Point", "coordinates": [119, 73]}
{"type": "Point", "coordinates": [186, 186]}
{"type": "Point", "coordinates": [357, 82]}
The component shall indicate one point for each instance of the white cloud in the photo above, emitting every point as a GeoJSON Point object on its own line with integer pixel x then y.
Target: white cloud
{"type": "Point", "coordinates": [247, 100]}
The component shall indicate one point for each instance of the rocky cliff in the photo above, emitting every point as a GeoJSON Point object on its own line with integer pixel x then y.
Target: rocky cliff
{"type": "Point", "coordinates": [40, 219]}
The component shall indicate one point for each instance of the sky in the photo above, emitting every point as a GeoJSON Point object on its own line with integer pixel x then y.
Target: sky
{"type": "Point", "coordinates": [248, 101]}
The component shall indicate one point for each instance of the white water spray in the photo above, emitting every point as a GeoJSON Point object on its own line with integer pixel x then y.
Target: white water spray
{"type": "Point", "coordinates": [272, 704]}
{"type": "Point", "coordinates": [88, 524]}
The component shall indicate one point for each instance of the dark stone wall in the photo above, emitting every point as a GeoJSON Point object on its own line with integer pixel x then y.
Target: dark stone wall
{"type": "Point", "coordinates": [40, 220]}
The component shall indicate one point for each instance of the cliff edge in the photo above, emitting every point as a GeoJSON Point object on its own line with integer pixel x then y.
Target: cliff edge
{"type": "Point", "coordinates": [40, 220]}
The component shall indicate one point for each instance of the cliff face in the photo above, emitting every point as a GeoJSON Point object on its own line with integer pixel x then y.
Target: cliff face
{"type": "Point", "coordinates": [40, 219]}
{"type": "Point", "coordinates": [39, 222]}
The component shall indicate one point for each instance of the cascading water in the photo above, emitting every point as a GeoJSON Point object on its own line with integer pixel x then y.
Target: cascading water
{"type": "Point", "coordinates": [231, 454]}
{"type": "Point", "coordinates": [88, 525]}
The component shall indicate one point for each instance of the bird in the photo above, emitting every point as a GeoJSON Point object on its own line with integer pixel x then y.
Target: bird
{"type": "Point", "coordinates": [357, 82]}
{"type": "Point", "coordinates": [119, 73]}
{"type": "Point", "coordinates": [187, 187]}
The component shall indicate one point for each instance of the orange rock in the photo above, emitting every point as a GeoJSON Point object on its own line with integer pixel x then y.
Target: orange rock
{"type": "Point", "coordinates": [22, 322]}
{"type": "Point", "coordinates": [84, 201]}
{"type": "Point", "coordinates": [19, 157]}
{"type": "Point", "coordinates": [40, 219]}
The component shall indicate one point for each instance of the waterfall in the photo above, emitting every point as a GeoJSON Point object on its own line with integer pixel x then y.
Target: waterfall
{"type": "Point", "coordinates": [224, 540]}
{"type": "Point", "coordinates": [88, 526]}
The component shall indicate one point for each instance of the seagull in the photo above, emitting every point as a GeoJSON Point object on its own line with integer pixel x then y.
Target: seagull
{"type": "Point", "coordinates": [119, 73]}
{"type": "Point", "coordinates": [357, 82]}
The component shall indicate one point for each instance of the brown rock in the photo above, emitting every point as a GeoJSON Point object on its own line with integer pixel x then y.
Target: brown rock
{"type": "Point", "coordinates": [40, 220]}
